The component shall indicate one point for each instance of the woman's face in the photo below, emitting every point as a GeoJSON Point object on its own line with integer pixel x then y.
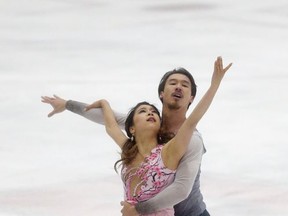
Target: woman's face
{"type": "Point", "coordinates": [146, 117]}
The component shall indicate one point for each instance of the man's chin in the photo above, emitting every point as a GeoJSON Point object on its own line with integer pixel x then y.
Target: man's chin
{"type": "Point", "coordinates": [174, 106]}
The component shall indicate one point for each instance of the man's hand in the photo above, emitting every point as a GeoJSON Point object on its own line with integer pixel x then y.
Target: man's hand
{"type": "Point", "coordinates": [56, 102]}
{"type": "Point", "coordinates": [128, 209]}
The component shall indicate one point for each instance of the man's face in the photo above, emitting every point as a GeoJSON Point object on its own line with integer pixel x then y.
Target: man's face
{"type": "Point", "coordinates": [177, 92]}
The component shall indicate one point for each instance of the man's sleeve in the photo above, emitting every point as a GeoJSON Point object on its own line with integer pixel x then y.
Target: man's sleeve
{"type": "Point", "coordinates": [183, 183]}
{"type": "Point", "coordinates": [94, 115]}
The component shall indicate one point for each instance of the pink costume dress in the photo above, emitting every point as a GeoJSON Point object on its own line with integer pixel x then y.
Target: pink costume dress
{"type": "Point", "coordinates": [151, 177]}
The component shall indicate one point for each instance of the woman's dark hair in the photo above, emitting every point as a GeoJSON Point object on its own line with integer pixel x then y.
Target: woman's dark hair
{"type": "Point", "coordinates": [130, 149]}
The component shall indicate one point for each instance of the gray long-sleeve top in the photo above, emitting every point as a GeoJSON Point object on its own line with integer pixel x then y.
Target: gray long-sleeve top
{"type": "Point", "coordinates": [184, 193]}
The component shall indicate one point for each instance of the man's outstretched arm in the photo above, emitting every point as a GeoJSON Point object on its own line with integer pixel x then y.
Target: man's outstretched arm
{"type": "Point", "coordinates": [59, 105]}
{"type": "Point", "coordinates": [94, 115]}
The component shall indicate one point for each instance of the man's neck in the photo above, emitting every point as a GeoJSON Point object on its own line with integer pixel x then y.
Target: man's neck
{"type": "Point", "coordinates": [172, 119]}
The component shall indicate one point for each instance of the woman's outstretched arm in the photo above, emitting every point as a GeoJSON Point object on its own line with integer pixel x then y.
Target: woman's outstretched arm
{"type": "Point", "coordinates": [111, 125]}
{"type": "Point", "coordinates": [177, 147]}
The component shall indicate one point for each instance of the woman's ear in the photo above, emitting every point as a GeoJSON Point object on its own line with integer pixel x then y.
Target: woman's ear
{"type": "Point", "coordinates": [132, 130]}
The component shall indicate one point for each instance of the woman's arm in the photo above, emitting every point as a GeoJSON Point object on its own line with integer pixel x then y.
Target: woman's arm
{"type": "Point", "coordinates": [177, 147]}
{"type": "Point", "coordinates": [111, 125]}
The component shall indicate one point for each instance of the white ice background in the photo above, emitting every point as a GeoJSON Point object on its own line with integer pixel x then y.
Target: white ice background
{"type": "Point", "coordinates": [91, 49]}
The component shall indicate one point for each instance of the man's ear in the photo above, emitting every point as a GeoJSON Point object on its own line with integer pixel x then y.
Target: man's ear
{"type": "Point", "coordinates": [161, 95]}
{"type": "Point", "coordinates": [191, 99]}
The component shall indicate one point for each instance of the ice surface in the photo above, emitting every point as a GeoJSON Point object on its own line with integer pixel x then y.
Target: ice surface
{"type": "Point", "coordinates": [86, 50]}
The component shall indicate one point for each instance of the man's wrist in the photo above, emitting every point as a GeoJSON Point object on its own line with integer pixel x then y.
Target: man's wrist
{"type": "Point", "coordinates": [69, 105]}
{"type": "Point", "coordinates": [138, 208]}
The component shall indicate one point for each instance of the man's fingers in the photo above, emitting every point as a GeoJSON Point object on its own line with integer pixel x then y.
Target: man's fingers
{"type": "Point", "coordinates": [50, 98]}
{"type": "Point", "coordinates": [57, 96]}
{"type": "Point", "coordinates": [46, 99]}
{"type": "Point", "coordinates": [51, 114]}
{"type": "Point", "coordinates": [122, 204]}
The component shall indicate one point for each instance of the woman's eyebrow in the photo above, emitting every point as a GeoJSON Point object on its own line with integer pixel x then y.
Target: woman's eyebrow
{"type": "Point", "coordinates": [142, 108]}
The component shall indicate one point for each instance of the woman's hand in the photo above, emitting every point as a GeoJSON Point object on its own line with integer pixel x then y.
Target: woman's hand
{"type": "Point", "coordinates": [219, 71]}
{"type": "Point", "coordinates": [96, 104]}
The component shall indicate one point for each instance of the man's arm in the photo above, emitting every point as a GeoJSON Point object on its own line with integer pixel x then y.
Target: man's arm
{"type": "Point", "coordinates": [95, 115]}
{"type": "Point", "coordinates": [183, 183]}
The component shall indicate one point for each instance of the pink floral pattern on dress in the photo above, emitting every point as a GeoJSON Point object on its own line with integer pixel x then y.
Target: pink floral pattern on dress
{"type": "Point", "coordinates": [152, 177]}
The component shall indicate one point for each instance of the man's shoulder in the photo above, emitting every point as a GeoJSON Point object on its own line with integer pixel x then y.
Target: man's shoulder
{"type": "Point", "coordinates": [196, 133]}
{"type": "Point", "coordinates": [196, 143]}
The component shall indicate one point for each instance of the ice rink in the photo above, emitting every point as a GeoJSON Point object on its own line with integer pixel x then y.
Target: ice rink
{"type": "Point", "coordinates": [91, 49]}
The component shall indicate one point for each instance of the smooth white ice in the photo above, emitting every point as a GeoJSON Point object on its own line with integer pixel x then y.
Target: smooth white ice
{"type": "Point", "coordinates": [87, 50]}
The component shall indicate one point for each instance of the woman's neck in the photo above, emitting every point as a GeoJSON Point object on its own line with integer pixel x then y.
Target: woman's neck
{"type": "Point", "coordinates": [146, 144]}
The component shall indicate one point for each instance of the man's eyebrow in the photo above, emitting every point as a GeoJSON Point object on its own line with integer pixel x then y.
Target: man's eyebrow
{"type": "Point", "coordinates": [176, 80]}
{"type": "Point", "coordinates": [185, 81]}
{"type": "Point", "coordinates": [172, 80]}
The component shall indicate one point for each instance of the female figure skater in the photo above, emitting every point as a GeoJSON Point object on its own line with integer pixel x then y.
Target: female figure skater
{"type": "Point", "coordinates": [147, 166]}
